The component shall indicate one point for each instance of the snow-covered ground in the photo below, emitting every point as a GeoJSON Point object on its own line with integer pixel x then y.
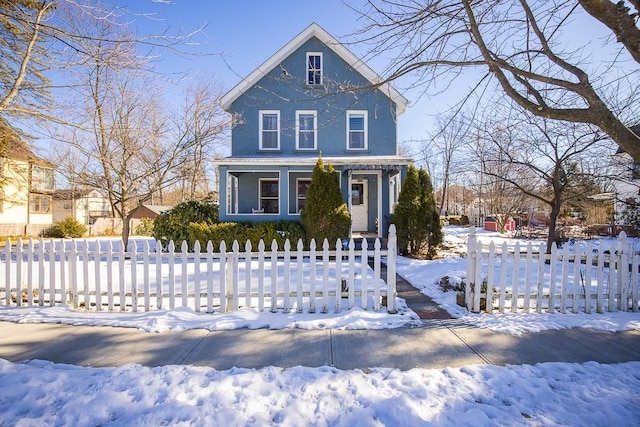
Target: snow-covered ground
{"type": "Point", "coordinates": [42, 393]}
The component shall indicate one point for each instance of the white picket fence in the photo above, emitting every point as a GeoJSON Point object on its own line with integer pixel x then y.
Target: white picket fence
{"type": "Point", "coordinates": [585, 276]}
{"type": "Point", "coordinates": [100, 275]}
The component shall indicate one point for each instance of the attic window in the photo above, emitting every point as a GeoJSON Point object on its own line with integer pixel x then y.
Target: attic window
{"type": "Point", "coordinates": [314, 68]}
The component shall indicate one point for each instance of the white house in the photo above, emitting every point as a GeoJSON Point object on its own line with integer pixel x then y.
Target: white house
{"type": "Point", "coordinates": [85, 205]}
{"type": "Point", "coordinates": [626, 172]}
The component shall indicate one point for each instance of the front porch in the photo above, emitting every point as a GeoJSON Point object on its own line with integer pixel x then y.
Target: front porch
{"type": "Point", "coordinates": [266, 191]}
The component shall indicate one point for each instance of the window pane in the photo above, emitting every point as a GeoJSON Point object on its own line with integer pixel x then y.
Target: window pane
{"type": "Point", "coordinates": [269, 205]}
{"type": "Point", "coordinates": [269, 139]}
{"type": "Point", "coordinates": [356, 122]}
{"type": "Point", "coordinates": [269, 122]}
{"type": "Point", "coordinates": [306, 140]}
{"type": "Point", "coordinates": [306, 121]}
{"type": "Point", "coordinates": [269, 189]}
{"type": "Point", "coordinates": [356, 139]}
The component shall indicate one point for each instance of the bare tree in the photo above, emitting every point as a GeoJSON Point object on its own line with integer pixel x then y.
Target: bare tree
{"type": "Point", "coordinates": [543, 160]}
{"type": "Point", "coordinates": [42, 42]}
{"type": "Point", "coordinates": [201, 125]}
{"type": "Point", "coordinates": [521, 46]}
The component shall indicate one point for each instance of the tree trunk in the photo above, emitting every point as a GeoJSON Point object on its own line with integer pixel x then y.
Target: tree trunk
{"type": "Point", "coordinates": [553, 220]}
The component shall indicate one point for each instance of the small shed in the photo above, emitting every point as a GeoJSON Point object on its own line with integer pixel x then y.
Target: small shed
{"type": "Point", "coordinates": [490, 224]}
{"type": "Point", "coordinates": [150, 211]}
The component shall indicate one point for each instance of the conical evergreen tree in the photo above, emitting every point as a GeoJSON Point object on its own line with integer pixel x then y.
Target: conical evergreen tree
{"type": "Point", "coordinates": [325, 214]}
{"type": "Point", "coordinates": [416, 218]}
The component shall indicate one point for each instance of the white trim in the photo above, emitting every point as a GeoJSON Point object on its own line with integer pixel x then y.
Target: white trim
{"type": "Point", "coordinates": [307, 68]}
{"type": "Point", "coordinates": [314, 30]}
{"type": "Point", "coordinates": [261, 115]}
{"type": "Point", "coordinates": [306, 161]}
{"type": "Point", "coordinates": [277, 198]}
{"type": "Point", "coordinates": [366, 127]}
{"type": "Point", "coordinates": [315, 129]}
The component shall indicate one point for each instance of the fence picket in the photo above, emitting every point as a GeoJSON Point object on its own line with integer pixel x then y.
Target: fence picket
{"type": "Point", "coordinates": [364, 258]}
{"type": "Point", "coordinates": [351, 284]}
{"type": "Point", "coordinates": [109, 261]}
{"type": "Point", "coordinates": [527, 278]}
{"type": "Point", "coordinates": [392, 247]}
{"type": "Point", "coordinates": [504, 256]}
{"type": "Point", "coordinates": [235, 273]}
{"type": "Point", "coordinates": [325, 276]}
{"type": "Point", "coordinates": [146, 273]}
{"type": "Point", "coordinates": [287, 276]}
{"type": "Point", "coordinates": [261, 248]}
{"type": "Point", "coordinates": [210, 277]}
{"type": "Point", "coordinates": [172, 275]}
{"type": "Point", "coordinates": [223, 277]}
{"type": "Point", "coordinates": [600, 289]}
{"type": "Point", "coordinates": [247, 274]}
{"type": "Point", "coordinates": [299, 274]}
{"type": "Point", "coordinates": [490, 277]}
{"type": "Point", "coordinates": [196, 276]}
{"type": "Point", "coordinates": [96, 267]}
{"type": "Point", "coordinates": [540, 277]}
{"type": "Point", "coordinates": [339, 277]}
{"type": "Point", "coordinates": [274, 276]}
{"type": "Point", "coordinates": [134, 278]}
{"type": "Point", "coordinates": [18, 275]}
{"type": "Point", "coordinates": [588, 291]}
{"type": "Point", "coordinates": [577, 273]}
{"type": "Point", "coordinates": [159, 278]}
{"type": "Point", "coordinates": [312, 276]}
{"type": "Point", "coordinates": [7, 272]}
{"type": "Point", "coordinates": [184, 258]}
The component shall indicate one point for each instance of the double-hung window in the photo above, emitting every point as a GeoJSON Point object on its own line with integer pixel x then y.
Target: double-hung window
{"type": "Point", "coordinates": [314, 68]}
{"type": "Point", "coordinates": [39, 203]}
{"type": "Point", "coordinates": [269, 130]}
{"type": "Point", "coordinates": [306, 130]}
{"type": "Point", "coordinates": [269, 195]}
{"type": "Point", "coordinates": [357, 130]}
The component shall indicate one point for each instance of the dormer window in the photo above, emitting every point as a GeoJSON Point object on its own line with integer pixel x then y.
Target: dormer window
{"type": "Point", "coordinates": [314, 68]}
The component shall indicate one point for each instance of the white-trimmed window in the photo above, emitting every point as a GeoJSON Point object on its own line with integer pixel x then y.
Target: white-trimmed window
{"type": "Point", "coordinates": [270, 195]}
{"type": "Point", "coordinates": [306, 130]}
{"type": "Point", "coordinates": [302, 188]}
{"type": "Point", "coordinates": [42, 178]}
{"type": "Point", "coordinates": [314, 68]}
{"type": "Point", "coordinates": [394, 192]}
{"type": "Point", "coordinates": [39, 203]}
{"type": "Point", "coordinates": [357, 130]}
{"type": "Point", "coordinates": [269, 130]}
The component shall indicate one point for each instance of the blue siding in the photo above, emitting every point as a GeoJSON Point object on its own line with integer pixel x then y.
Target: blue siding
{"type": "Point", "coordinates": [284, 89]}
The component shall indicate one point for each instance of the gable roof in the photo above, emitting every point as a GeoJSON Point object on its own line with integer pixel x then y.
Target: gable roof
{"type": "Point", "coordinates": [314, 30]}
{"type": "Point", "coordinates": [14, 147]}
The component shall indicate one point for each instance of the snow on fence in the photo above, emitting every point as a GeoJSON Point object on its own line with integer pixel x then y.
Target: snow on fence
{"type": "Point", "coordinates": [100, 275]}
{"type": "Point", "coordinates": [585, 276]}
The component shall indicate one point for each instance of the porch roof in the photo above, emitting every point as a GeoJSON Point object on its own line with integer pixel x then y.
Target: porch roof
{"type": "Point", "coordinates": [344, 163]}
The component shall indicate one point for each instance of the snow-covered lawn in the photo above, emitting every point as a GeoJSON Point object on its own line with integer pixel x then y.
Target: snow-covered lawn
{"type": "Point", "coordinates": [42, 393]}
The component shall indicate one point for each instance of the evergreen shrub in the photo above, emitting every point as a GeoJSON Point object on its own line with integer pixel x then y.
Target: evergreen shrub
{"type": "Point", "coordinates": [325, 214]}
{"type": "Point", "coordinates": [67, 228]}
{"type": "Point", "coordinates": [172, 225]}
{"type": "Point", "coordinates": [268, 231]}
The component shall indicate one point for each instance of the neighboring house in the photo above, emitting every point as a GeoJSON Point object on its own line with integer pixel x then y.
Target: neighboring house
{"type": "Point", "coordinates": [85, 205]}
{"type": "Point", "coordinates": [27, 183]}
{"type": "Point", "coordinates": [313, 97]}
{"type": "Point", "coordinates": [626, 172]}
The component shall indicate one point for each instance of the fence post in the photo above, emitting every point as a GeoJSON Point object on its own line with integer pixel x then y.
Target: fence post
{"type": "Point", "coordinates": [623, 269]}
{"type": "Point", "coordinates": [392, 253]}
{"type": "Point", "coordinates": [471, 267]}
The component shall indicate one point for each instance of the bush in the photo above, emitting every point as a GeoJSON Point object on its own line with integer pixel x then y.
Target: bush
{"type": "Point", "coordinates": [417, 221]}
{"type": "Point", "coordinates": [172, 225]}
{"type": "Point", "coordinates": [279, 231]}
{"type": "Point", "coordinates": [68, 227]}
{"type": "Point", "coordinates": [145, 228]}
{"type": "Point", "coordinates": [325, 214]}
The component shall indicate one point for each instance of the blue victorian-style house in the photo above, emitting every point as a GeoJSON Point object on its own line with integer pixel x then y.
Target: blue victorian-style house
{"type": "Point", "coordinates": [312, 98]}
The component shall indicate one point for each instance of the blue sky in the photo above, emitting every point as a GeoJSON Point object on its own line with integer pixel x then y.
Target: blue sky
{"type": "Point", "coordinates": [247, 32]}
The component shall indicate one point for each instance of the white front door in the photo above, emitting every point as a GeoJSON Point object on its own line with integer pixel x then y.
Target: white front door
{"type": "Point", "coordinates": [359, 205]}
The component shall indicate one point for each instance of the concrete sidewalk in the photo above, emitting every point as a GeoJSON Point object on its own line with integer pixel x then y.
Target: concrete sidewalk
{"type": "Point", "coordinates": [437, 344]}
